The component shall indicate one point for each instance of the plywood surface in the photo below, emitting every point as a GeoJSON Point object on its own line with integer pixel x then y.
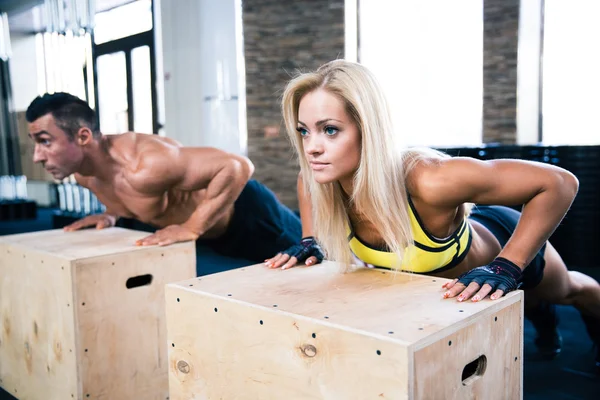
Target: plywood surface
{"type": "Point", "coordinates": [122, 331]}
{"type": "Point", "coordinates": [222, 349]}
{"type": "Point", "coordinates": [406, 308]}
{"type": "Point", "coordinates": [496, 340]}
{"type": "Point", "coordinates": [37, 338]}
{"type": "Point", "coordinates": [81, 244]}
{"type": "Point", "coordinates": [77, 326]}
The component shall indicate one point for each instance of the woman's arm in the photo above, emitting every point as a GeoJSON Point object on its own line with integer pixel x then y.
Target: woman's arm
{"type": "Point", "coordinates": [305, 208]}
{"type": "Point", "coordinates": [308, 250]}
{"type": "Point", "coordinates": [545, 191]}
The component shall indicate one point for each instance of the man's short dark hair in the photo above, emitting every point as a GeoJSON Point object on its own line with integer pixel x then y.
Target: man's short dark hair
{"type": "Point", "coordinates": [70, 113]}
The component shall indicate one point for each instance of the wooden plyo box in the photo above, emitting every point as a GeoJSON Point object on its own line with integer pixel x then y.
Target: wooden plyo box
{"type": "Point", "coordinates": [82, 314]}
{"type": "Point", "coordinates": [313, 333]}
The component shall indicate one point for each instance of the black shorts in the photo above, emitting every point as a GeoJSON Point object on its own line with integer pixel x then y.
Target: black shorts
{"type": "Point", "coordinates": [261, 226]}
{"type": "Point", "coordinates": [501, 222]}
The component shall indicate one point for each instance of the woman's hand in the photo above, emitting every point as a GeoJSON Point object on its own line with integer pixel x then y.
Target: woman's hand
{"type": "Point", "coordinates": [308, 251]}
{"type": "Point", "coordinates": [498, 277]}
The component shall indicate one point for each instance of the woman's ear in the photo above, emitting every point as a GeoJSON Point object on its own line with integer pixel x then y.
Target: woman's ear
{"type": "Point", "coordinates": [84, 136]}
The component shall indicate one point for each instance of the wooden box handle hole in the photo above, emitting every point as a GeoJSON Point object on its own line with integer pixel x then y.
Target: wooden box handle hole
{"type": "Point", "coordinates": [137, 281]}
{"type": "Point", "coordinates": [474, 370]}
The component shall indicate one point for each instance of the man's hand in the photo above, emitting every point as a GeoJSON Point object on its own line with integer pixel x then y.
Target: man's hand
{"type": "Point", "coordinates": [101, 221]}
{"type": "Point", "coordinates": [169, 235]}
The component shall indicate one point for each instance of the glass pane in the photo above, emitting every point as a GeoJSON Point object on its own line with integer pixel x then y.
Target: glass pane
{"type": "Point", "coordinates": [142, 90]}
{"type": "Point", "coordinates": [571, 82]}
{"type": "Point", "coordinates": [435, 68]}
{"type": "Point", "coordinates": [127, 20]}
{"type": "Point", "coordinates": [112, 92]}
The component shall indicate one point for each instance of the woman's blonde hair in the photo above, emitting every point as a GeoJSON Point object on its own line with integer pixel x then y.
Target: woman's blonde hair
{"type": "Point", "coordinates": [379, 191]}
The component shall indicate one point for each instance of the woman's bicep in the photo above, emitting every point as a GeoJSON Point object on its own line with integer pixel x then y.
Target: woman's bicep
{"type": "Point", "coordinates": [503, 182]}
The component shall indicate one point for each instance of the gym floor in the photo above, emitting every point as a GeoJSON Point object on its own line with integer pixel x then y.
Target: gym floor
{"type": "Point", "coordinates": [571, 376]}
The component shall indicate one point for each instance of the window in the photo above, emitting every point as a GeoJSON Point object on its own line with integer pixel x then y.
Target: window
{"type": "Point", "coordinates": [141, 89]}
{"type": "Point", "coordinates": [112, 92]}
{"type": "Point", "coordinates": [123, 21]}
{"type": "Point", "coordinates": [62, 61]}
{"type": "Point", "coordinates": [428, 55]}
{"type": "Point", "coordinates": [571, 82]}
{"type": "Point", "coordinates": [125, 69]}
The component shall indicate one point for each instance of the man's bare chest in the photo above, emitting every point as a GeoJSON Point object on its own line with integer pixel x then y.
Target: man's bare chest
{"type": "Point", "coordinates": [124, 201]}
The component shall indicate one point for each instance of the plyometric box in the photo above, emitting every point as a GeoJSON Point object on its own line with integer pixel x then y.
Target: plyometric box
{"type": "Point", "coordinates": [82, 314]}
{"type": "Point", "coordinates": [314, 333]}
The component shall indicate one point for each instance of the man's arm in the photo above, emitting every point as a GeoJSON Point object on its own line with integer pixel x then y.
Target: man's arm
{"type": "Point", "coordinates": [226, 180]}
{"type": "Point", "coordinates": [105, 220]}
{"type": "Point", "coordinates": [222, 175]}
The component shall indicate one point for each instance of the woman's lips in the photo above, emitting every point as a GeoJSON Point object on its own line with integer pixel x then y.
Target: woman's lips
{"type": "Point", "coordinates": [318, 166]}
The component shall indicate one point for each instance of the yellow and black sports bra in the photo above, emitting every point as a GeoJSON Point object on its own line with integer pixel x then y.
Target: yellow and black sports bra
{"type": "Point", "coordinates": [428, 254]}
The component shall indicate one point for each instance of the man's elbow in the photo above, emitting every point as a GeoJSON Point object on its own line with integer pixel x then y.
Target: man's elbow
{"type": "Point", "coordinates": [243, 167]}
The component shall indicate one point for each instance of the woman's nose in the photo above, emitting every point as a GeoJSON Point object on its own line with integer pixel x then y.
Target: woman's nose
{"type": "Point", "coordinates": [313, 145]}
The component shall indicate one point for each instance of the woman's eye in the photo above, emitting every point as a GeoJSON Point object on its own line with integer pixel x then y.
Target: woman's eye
{"type": "Point", "coordinates": [303, 132]}
{"type": "Point", "coordinates": [330, 130]}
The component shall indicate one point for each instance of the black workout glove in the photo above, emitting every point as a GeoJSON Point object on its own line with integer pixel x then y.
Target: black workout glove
{"type": "Point", "coordinates": [308, 247]}
{"type": "Point", "coordinates": [500, 274]}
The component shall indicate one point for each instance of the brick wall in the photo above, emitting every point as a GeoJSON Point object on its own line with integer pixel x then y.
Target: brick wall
{"type": "Point", "coordinates": [280, 38]}
{"type": "Point", "coordinates": [500, 40]}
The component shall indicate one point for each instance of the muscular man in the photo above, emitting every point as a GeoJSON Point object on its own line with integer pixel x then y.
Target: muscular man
{"type": "Point", "coordinates": [186, 193]}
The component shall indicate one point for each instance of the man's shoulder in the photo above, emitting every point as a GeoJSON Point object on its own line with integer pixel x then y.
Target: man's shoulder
{"type": "Point", "coordinates": [149, 162]}
{"type": "Point", "coordinates": [142, 142]}
{"type": "Point", "coordinates": [137, 151]}
{"type": "Point", "coordinates": [134, 143]}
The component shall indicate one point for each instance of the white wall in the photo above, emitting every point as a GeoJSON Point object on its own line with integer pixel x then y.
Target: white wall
{"type": "Point", "coordinates": [23, 70]}
{"type": "Point", "coordinates": [202, 62]}
{"type": "Point", "coordinates": [180, 39]}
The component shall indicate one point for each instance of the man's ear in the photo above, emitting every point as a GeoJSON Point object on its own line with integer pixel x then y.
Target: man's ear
{"type": "Point", "coordinates": [84, 136]}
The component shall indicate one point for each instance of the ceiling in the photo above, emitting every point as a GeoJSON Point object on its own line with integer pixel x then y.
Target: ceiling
{"type": "Point", "coordinates": [25, 16]}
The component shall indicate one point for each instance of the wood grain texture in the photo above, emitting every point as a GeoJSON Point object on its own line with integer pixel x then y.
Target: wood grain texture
{"type": "Point", "coordinates": [96, 338]}
{"type": "Point", "coordinates": [314, 333]}
{"type": "Point", "coordinates": [37, 325]}
{"type": "Point", "coordinates": [495, 340]}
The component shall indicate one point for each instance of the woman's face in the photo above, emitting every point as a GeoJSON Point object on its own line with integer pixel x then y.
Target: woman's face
{"type": "Point", "coordinates": [330, 137]}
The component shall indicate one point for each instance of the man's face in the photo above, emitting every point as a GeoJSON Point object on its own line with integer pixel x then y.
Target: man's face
{"type": "Point", "coordinates": [60, 155]}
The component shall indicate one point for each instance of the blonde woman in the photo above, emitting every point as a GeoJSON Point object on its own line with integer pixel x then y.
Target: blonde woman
{"type": "Point", "coordinates": [367, 200]}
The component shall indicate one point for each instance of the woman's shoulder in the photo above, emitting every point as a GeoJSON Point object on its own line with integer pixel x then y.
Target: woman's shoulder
{"type": "Point", "coordinates": [425, 176]}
